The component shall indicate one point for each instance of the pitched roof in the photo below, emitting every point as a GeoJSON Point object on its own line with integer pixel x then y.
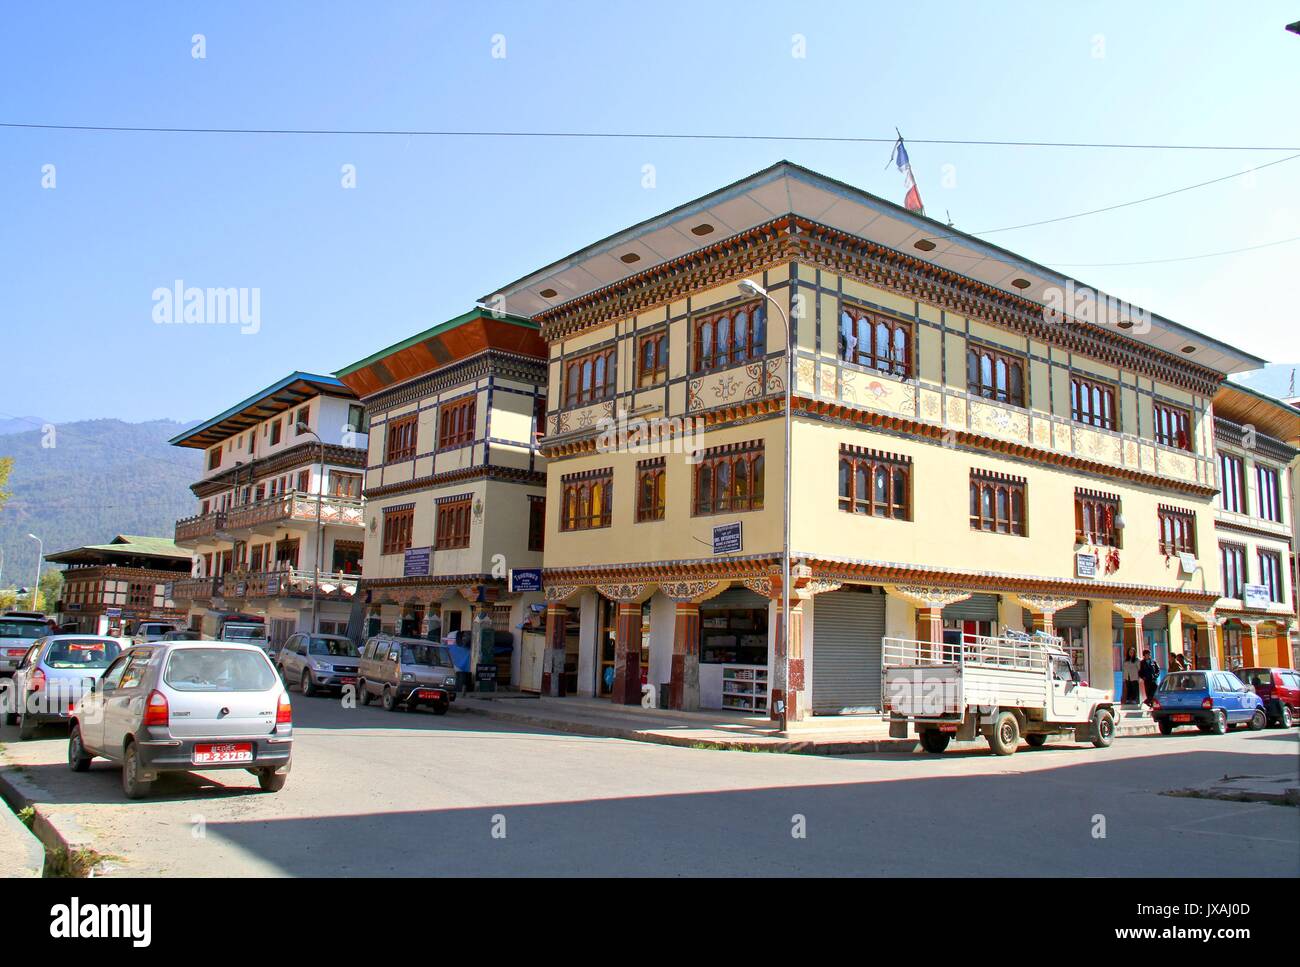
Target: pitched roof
{"type": "Point", "coordinates": [289, 392]}
{"type": "Point", "coordinates": [163, 550]}
{"type": "Point", "coordinates": [790, 189]}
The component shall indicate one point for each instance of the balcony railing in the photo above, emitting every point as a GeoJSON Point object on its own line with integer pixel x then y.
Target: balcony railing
{"type": "Point", "coordinates": [286, 582]}
{"type": "Point", "coordinates": [200, 526]}
{"type": "Point", "coordinates": [294, 507]}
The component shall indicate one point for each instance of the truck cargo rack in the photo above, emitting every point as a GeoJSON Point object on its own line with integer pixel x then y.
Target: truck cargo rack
{"type": "Point", "coordinates": [1030, 652]}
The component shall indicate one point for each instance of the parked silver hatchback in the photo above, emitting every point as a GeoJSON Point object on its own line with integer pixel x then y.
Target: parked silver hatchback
{"type": "Point", "coordinates": [186, 706]}
{"type": "Point", "coordinates": [54, 673]}
{"type": "Point", "coordinates": [315, 663]}
{"type": "Point", "coordinates": [407, 671]}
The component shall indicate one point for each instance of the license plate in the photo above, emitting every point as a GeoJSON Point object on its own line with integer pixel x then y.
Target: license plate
{"type": "Point", "coordinates": [229, 752]}
{"type": "Point", "coordinates": [428, 693]}
{"type": "Point", "coordinates": [348, 680]}
{"type": "Point", "coordinates": [947, 728]}
{"type": "Point", "coordinates": [1182, 718]}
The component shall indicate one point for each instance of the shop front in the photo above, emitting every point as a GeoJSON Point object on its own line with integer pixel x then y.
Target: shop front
{"type": "Point", "coordinates": [734, 652]}
{"type": "Point", "coordinates": [975, 617]}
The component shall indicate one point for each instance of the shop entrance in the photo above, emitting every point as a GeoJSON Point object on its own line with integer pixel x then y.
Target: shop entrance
{"type": "Point", "coordinates": [848, 626]}
{"type": "Point", "coordinates": [965, 621]}
{"type": "Point", "coordinates": [733, 651]}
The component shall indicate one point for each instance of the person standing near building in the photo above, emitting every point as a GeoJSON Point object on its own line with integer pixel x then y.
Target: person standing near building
{"type": "Point", "coordinates": [1131, 669]}
{"type": "Point", "coordinates": [1150, 674]}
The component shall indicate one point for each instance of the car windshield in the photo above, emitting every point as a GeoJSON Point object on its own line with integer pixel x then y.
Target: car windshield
{"type": "Point", "coordinates": [337, 647]}
{"type": "Point", "coordinates": [1184, 682]}
{"type": "Point", "coordinates": [218, 670]}
{"type": "Point", "coordinates": [1256, 676]}
{"type": "Point", "coordinates": [434, 655]}
{"type": "Point", "coordinates": [11, 628]}
{"type": "Point", "coordinates": [244, 632]}
{"type": "Point", "coordinates": [81, 653]}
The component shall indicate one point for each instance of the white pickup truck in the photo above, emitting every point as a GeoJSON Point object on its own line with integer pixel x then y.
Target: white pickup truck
{"type": "Point", "coordinates": [1001, 688]}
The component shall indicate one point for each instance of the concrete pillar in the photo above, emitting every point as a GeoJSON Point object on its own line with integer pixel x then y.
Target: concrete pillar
{"type": "Point", "coordinates": [627, 654]}
{"type": "Point", "coordinates": [557, 620]}
{"type": "Point", "coordinates": [795, 692]}
{"type": "Point", "coordinates": [685, 676]}
{"type": "Point", "coordinates": [1043, 621]}
{"type": "Point", "coordinates": [663, 630]}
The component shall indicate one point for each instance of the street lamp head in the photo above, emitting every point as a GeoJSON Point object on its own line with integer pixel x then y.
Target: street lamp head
{"type": "Point", "coordinates": [302, 427]}
{"type": "Point", "coordinates": [750, 287]}
{"type": "Point", "coordinates": [33, 537]}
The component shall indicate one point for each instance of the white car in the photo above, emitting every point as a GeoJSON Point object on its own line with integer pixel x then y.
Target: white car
{"type": "Point", "coordinates": [186, 706]}
{"type": "Point", "coordinates": [148, 631]}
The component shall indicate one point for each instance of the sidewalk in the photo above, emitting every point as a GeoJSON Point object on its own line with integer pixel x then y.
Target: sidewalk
{"type": "Point", "coordinates": [841, 735]}
{"type": "Point", "coordinates": [823, 735]}
{"type": "Point", "coordinates": [21, 853]}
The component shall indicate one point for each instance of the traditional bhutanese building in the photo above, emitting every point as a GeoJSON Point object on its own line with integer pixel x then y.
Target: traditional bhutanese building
{"type": "Point", "coordinates": [976, 448]}
{"type": "Point", "coordinates": [110, 588]}
{"type": "Point", "coordinates": [1255, 438]}
{"type": "Point", "coordinates": [282, 474]}
{"type": "Point", "coordinates": [454, 483]}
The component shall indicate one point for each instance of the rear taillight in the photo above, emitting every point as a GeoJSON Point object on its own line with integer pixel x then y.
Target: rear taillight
{"type": "Point", "coordinates": [37, 680]}
{"type": "Point", "coordinates": [1083, 684]}
{"type": "Point", "coordinates": [1155, 706]}
{"type": "Point", "coordinates": [284, 712]}
{"type": "Point", "coordinates": [1208, 703]}
{"type": "Point", "coordinates": [156, 711]}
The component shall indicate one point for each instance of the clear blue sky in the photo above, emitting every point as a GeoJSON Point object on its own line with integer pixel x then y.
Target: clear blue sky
{"type": "Point", "coordinates": [434, 223]}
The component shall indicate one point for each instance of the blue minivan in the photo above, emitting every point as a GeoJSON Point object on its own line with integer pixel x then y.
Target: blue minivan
{"type": "Point", "coordinates": [1213, 701]}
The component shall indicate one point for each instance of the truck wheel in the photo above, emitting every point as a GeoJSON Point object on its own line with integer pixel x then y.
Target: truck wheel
{"type": "Point", "coordinates": [1036, 740]}
{"type": "Point", "coordinates": [388, 700]}
{"type": "Point", "coordinates": [934, 741]}
{"type": "Point", "coordinates": [1103, 728]}
{"type": "Point", "coordinates": [1258, 720]}
{"type": "Point", "coordinates": [1005, 735]}
{"type": "Point", "coordinates": [1166, 726]}
{"type": "Point", "coordinates": [1219, 722]}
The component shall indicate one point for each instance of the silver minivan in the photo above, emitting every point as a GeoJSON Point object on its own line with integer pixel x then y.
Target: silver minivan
{"type": "Point", "coordinates": [186, 706]}
{"type": "Point", "coordinates": [54, 673]}
{"type": "Point", "coordinates": [315, 663]}
{"type": "Point", "coordinates": [407, 671]}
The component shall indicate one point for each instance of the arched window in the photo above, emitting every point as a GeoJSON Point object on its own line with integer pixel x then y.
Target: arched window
{"type": "Point", "coordinates": [880, 492]}
{"type": "Point", "coordinates": [900, 493]}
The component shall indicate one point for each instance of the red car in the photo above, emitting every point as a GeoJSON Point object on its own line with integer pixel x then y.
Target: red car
{"type": "Point", "coordinates": [1280, 690]}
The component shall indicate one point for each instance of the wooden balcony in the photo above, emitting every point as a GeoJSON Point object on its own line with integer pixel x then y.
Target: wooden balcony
{"type": "Point", "coordinates": [193, 530]}
{"type": "Point", "coordinates": [273, 513]}
{"type": "Point", "coordinates": [283, 583]}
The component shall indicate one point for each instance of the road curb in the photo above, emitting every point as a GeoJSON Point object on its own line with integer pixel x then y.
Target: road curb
{"type": "Point", "coordinates": [16, 837]}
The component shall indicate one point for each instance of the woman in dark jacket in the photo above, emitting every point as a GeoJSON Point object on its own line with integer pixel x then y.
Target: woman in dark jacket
{"type": "Point", "coordinates": [1149, 672]}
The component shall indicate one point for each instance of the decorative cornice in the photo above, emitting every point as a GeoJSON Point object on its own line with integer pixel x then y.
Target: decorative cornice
{"type": "Point", "coordinates": [692, 592]}
{"type": "Point", "coordinates": [1045, 603]}
{"type": "Point", "coordinates": [518, 475]}
{"type": "Point", "coordinates": [797, 239]}
{"type": "Point", "coordinates": [1228, 525]}
{"type": "Point", "coordinates": [1232, 433]}
{"type": "Point", "coordinates": [920, 596]}
{"type": "Point", "coordinates": [294, 456]}
{"type": "Point", "coordinates": [489, 362]}
{"type": "Point", "coordinates": [626, 593]}
{"type": "Point", "coordinates": [1135, 610]}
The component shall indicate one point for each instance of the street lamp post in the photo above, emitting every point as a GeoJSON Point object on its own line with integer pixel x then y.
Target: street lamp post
{"type": "Point", "coordinates": [753, 288]}
{"type": "Point", "coordinates": [40, 553]}
{"type": "Point", "coordinates": [320, 496]}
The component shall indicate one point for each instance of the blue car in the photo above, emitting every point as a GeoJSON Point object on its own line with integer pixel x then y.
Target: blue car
{"type": "Point", "coordinates": [1213, 701]}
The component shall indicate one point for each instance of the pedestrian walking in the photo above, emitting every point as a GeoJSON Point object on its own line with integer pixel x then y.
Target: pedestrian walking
{"type": "Point", "coordinates": [1149, 671]}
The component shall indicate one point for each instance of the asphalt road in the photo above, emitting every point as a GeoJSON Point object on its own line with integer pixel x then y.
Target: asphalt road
{"type": "Point", "coordinates": [398, 794]}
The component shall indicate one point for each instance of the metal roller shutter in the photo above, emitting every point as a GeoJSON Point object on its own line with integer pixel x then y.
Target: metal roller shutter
{"type": "Point", "coordinates": [1075, 616]}
{"type": "Point", "coordinates": [978, 607]}
{"type": "Point", "coordinates": [847, 628]}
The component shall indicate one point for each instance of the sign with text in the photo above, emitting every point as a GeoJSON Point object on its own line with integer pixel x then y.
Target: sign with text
{"type": "Point", "coordinates": [1255, 596]}
{"type": "Point", "coordinates": [1085, 565]}
{"type": "Point", "coordinates": [727, 538]}
{"type": "Point", "coordinates": [525, 579]}
{"type": "Point", "coordinates": [415, 564]}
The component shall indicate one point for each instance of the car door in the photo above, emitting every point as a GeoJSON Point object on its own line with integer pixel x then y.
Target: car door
{"type": "Point", "coordinates": [122, 705]}
{"type": "Point", "coordinates": [1230, 695]}
{"type": "Point", "coordinates": [91, 718]}
{"type": "Point", "coordinates": [286, 659]}
{"type": "Point", "coordinates": [393, 667]}
{"type": "Point", "coordinates": [1065, 692]}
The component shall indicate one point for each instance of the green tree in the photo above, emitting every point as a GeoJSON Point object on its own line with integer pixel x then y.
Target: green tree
{"type": "Point", "coordinates": [51, 589]}
{"type": "Point", "coordinates": [6, 465]}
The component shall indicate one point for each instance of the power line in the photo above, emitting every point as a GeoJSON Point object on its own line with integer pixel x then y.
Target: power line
{"type": "Point", "coordinates": [1182, 258]}
{"type": "Point", "coordinates": [1129, 204]}
{"type": "Point", "coordinates": [629, 136]}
